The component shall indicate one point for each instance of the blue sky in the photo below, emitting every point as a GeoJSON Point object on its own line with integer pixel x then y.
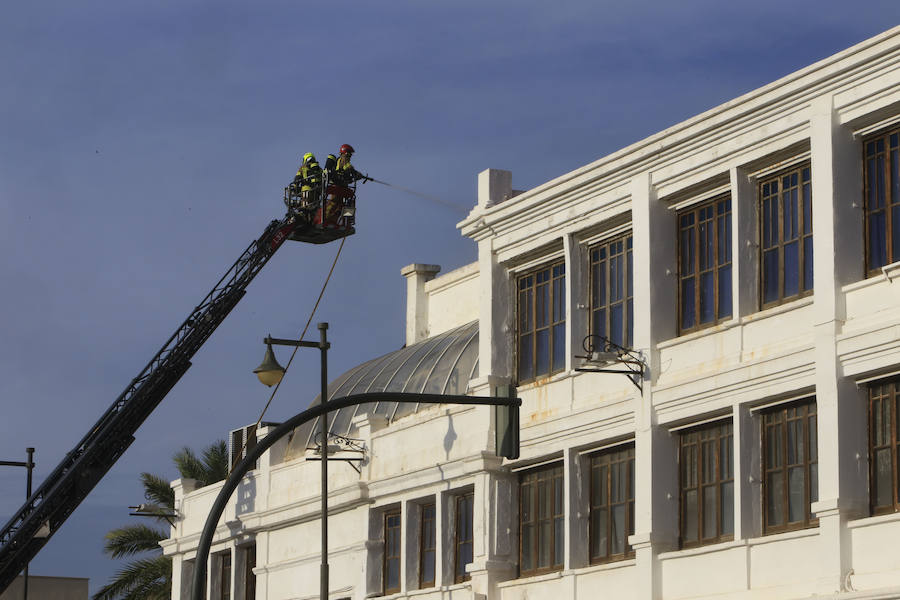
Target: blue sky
{"type": "Point", "coordinates": [144, 145]}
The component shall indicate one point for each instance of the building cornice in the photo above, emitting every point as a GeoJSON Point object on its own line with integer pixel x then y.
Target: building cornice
{"type": "Point", "coordinates": [681, 155]}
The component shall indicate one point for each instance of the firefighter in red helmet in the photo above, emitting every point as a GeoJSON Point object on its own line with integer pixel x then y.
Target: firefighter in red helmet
{"type": "Point", "coordinates": [344, 173]}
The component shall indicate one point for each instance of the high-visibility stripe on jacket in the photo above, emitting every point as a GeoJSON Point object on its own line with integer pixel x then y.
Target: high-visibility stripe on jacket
{"type": "Point", "coordinates": [310, 176]}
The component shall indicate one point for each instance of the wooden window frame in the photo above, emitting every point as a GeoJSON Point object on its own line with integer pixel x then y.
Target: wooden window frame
{"type": "Point", "coordinates": [884, 395]}
{"type": "Point", "coordinates": [608, 458]}
{"type": "Point", "coordinates": [463, 537]}
{"type": "Point", "coordinates": [604, 253]}
{"type": "Point", "coordinates": [249, 576]}
{"type": "Point", "coordinates": [889, 154]}
{"type": "Point", "coordinates": [778, 241]}
{"type": "Point", "coordinates": [778, 420]}
{"type": "Point", "coordinates": [385, 558]}
{"type": "Point", "coordinates": [424, 548]}
{"type": "Point", "coordinates": [697, 265]}
{"type": "Point", "coordinates": [717, 432]}
{"type": "Point", "coordinates": [225, 574]}
{"type": "Point", "coordinates": [529, 482]}
{"type": "Point", "coordinates": [527, 295]}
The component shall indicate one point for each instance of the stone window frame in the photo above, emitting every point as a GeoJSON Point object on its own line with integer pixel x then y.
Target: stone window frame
{"type": "Point", "coordinates": [775, 426]}
{"type": "Point", "coordinates": [884, 145]}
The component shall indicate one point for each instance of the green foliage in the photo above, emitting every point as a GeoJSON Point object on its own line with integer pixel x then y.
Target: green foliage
{"type": "Point", "coordinates": [149, 575]}
{"type": "Point", "coordinates": [212, 467]}
{"type": "Point", "coordinates": [133, 539]}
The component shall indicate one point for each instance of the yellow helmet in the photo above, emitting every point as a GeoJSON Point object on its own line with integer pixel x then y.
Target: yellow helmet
{"type": "Point", "coordinates": [308, 158]}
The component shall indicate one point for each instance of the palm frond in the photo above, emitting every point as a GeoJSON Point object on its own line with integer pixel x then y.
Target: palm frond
{"type": "Point", "coordinates": [189, 465]}
{"type": "Point", "coordinates": [131, 540]}
{"type": "Point", "coordinates": [158, 490]}
{"type": "Point", "coordinates": [135, 577]}
{"type": "Point", "coordinates": [215, 457]}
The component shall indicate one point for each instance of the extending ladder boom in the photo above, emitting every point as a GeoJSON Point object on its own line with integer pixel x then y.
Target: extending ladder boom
{"type": "Point", "coordinates": [83, 467]}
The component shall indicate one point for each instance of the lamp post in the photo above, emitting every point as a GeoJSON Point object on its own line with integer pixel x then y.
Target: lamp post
{"type": "Point", "coordinates": [29, 465]}
{"type": "Point", "coordinates": [270, 373]}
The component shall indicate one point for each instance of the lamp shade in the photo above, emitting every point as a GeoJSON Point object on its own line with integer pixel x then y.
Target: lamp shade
{"type": "Point", "coordinates": [269, 371]}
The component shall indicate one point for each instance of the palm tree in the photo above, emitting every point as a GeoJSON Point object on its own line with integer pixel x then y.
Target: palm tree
{"type": "Point", "coordinates": [149, 575]}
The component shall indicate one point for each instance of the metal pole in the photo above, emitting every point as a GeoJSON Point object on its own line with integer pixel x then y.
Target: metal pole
{"type": "Point", "coordinates": [323, 346]}
{"type": "Point", "coordinates": [248, 463]}
{"type": "Point", "coordinates": [29, 466]}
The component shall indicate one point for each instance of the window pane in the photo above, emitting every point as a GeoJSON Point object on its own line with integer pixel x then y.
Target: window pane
{"type": "Point", "coordinates": [616, 324]}
{"type": "Point", "coordinates": [775, 498]}
{"type": "Point", "coordinates": [600, 283]}
{"type": "Point", "coordinates": [807, 264]}
{"type": "Point", "coordinates": [813, 482]}
{"type": "Point", "coordinates": [687, 303]}
{"type": "Point", "coordinates": [527, 559]}
{"type": "Point", "coordinates": [707, 297]}
{"type": "Point", "coordinates": [392, 577]}
{"type": "Point", "coordinates": [542, 349]}
{"type": "Point", "coordinates": [428, 568]}
{"type": "Point", "coordinates": [629, 332]}
{"type": "Point", "coordinates": [725, 292]}
{"type": "Point", "coordinates": [895, 231]}
{"type": "Point", "coordinates": [559, 346]}
{"type": "Point", "coordinates": [690, 516]}
{"type": "Point", "coordinates": [727, 508]}
{"type": "Point", "coordinates": [687, 252]}
{"type": "Point", "coordinates": [796, 504]}
{"type": "Point", "coordinates": [709, 512]}
{"type": "Point", "coordinates": [526, 359]}
{"type": "Point", "coordinates": [791, 269]}
{"type": "Point", "coordinates": [770, 275]}
{"type": "Point", "coordinates": [618, 529]}
{"type": "Point", "coordinates": [544, 544]}
{"type": "Point", "coordinates": [558, 542]}
{"type": "Point", "coordinates": [883, 475]}
{"type": "Point", "coordinates": [600, 539]}
{"type": "Point", "coordinates": [542, 306]}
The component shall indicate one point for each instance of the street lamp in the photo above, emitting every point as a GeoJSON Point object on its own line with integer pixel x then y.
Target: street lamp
{"type": "Point", "coordinates": [29, 465]}
{"type": "Point", "coordinates": [270, 373]}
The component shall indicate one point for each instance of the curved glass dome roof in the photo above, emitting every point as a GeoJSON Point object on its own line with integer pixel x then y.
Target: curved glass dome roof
{"type": "Point", "coordinates": [442, 364]}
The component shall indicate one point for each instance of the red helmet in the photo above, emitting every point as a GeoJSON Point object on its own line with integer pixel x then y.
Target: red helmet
{"type": "Point", "coordinates": [347, 149]}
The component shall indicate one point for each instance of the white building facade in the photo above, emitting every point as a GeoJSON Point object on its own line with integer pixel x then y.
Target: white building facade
{"type": "Point", "coordinates": [750, 257]}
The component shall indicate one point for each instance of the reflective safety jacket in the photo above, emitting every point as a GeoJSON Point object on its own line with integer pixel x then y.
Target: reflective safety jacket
{"type": "Point", "coordinates": [309, 176]}
{"type": "Point", "coordinates": [346, 171]}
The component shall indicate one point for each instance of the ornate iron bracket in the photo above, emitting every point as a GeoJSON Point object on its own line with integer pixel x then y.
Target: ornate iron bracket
{"type": "Point", "coordinates": [342, 444]}
{"type": "Point", "coordinates": [605, 356]}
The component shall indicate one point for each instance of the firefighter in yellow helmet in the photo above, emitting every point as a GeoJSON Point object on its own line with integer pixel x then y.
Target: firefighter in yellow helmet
{"type": "Point", "coordinates": [308, 179]}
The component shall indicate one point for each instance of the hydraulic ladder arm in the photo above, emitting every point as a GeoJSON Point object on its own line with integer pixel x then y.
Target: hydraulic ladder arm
{"type": "Point", "coordinates": [83, 467]}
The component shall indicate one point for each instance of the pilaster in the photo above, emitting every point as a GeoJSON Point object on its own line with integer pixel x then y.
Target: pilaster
{"type": "Point", "coordinates": [656, 484]}
{"type": "Point", "coordinates": [493, 545]}
{"type": "Point", "coordinates": [841, 415]}
{"type": "Point", "coordinates": [744, 243]}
